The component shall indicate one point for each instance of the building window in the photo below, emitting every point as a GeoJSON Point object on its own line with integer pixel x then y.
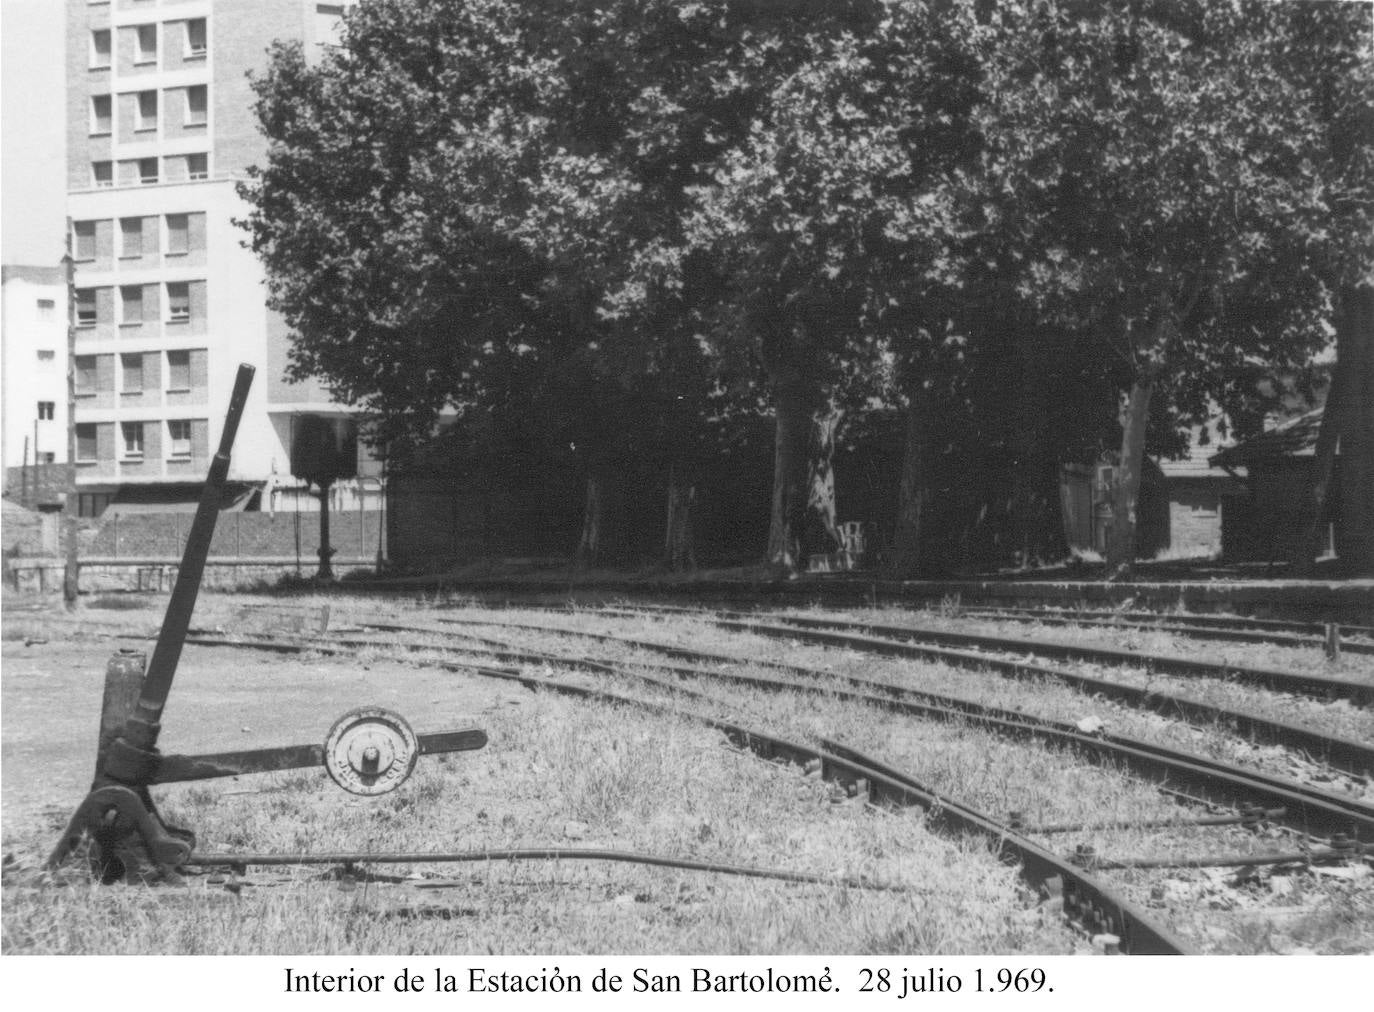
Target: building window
{"type": "Point", "coordinates": [85, 374]}
{"type": "Point", "coordinates": [147, 170]}
{"type": "Point", "coordinates": [133, 440]}
{"type": "Point", "coordinates": [130, 238]}
{"type": "Point", "coordinates": [197, 100]}
{"type": "Point", "coordinates": [49, 458]}
{"type": "Point", "coordinates": [85, 442]}
{"type": "Point", "coordinates": [100, 49]}
{"type": "Point", "coordinates": [328, 23]}
{"type": "Point", "coordinates": [178, 302]}
{"type": "Point", "coordinates": [47, 358]}
{"type": "Point", "coordinates": [147, 44]}
{"type": "Point", "coordinates": [85, 307]}
{"type": "Point", "coordinates": [102, 174]}
{"type": "Point", "coordinates": [47, 308]}
{"type": "Point", "coordinates": [179, 370]}
{"type": "Point", "coordinates": [131, 373]}
{"type": "Point", "coordinates": [198, 166]}
{"type": "Point", "coordinates": [179, 439]}
{"type": "Point", "coordinates": [46, 410]}
{"type": "Point", "coordinates": [178, 234]}
{"type": "Point", "coordinates": [102, 114]}
{"type": "Point", "coordinates": [83, 240]}
{"type": "Point", "coordinates": [195, 37]}
{"type": "Point", "coordinates": [147, 110]}
{"type": "Point", "coordinates": [131, 304]}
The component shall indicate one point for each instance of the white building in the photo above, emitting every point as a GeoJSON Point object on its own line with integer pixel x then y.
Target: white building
{"type": "Point", "coordinates": [33, 375]}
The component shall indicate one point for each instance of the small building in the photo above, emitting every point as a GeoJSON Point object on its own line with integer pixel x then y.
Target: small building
{"type": "Point", "coordinates": [1196, 492]}
{"type": "Point", "coordinates": [1267, 511]}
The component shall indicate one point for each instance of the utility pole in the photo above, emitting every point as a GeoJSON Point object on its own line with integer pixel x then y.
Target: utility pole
{"type": "Point", "coordinates": [71, 574]}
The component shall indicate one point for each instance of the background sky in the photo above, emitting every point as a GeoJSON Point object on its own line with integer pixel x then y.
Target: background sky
{"type": "Point", "coordinates": [33, 162]}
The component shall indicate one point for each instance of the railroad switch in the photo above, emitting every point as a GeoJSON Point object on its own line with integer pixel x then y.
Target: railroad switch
{"type": "Point", "coordinates": [368, 751]}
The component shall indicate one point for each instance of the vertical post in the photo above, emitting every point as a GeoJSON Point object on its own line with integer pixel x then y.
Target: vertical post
{"type": "Point", "coordinates": [24, 476]}
{"type": "Point", "coordinates": [1333, 641]}
{"type": "Point", "coordinates": [72, 571]}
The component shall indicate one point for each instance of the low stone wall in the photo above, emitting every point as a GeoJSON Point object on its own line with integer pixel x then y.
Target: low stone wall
{"type": "Point", "coordinates": [159, 574]}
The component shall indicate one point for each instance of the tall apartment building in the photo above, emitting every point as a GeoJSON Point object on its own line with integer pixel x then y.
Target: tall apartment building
{"type": "Point", "coordinates": [168, 301]}
{"type": "Point", "coordinates": [34, 396]}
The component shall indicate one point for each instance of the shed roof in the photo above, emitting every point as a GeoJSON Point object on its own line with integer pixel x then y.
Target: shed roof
{"type": "Point", "coordinates": [1296, 437]}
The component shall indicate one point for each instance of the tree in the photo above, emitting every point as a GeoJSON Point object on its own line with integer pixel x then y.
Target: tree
{"type": "Point", "coordinates": [321, 455]}
{"type": "Point", "coordinates": [1159, 170]}
{"type": "Point", "coordinates": [832, 219]}
{"type": "Point", "coordinates": [1327, 56]}
{"type": "Point", "coordinates": [461, 184]}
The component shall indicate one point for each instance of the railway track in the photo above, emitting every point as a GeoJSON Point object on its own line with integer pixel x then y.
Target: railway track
{"type": "Point", "coordinates": [1307, 808]}
{"type": "Point", "coordinates": [1201, 632]}
{"type": "Point", "coordinates": [1286, 631]}
{"type": "Point", "coordinates": [1088, 903]}
{"type": "Point", "coordinates": [883, 783]}
{"type": "Point", "coordinates": [889, 638]}
{"type": "Point", "coordinates": [1343, 754]}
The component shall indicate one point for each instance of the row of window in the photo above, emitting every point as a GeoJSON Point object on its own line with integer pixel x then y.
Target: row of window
{"type": "Point", "coordinates": [195, 109]}
{"type": "Point", "coordinates": [133, 440]}
{"type": "Point", "coordinates": [136, 304]}
{"type": "Point", "coordinates": [134, 375]}
{"type": "Point", "coordinates": [147, 171]}
{"type": "Point", "coordinates": [143, 236]}
{"type": "Point", "coordinates": [191, 35]}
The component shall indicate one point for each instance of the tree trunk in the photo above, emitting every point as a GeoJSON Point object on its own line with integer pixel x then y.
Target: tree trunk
{"type": "Point", "coordinates": [821, 532]}
{"type": "Point", "coordinates": [679, 542]}
{"type": "Point", "coordinates": [1355, 353]}
{"type": "Point", "coordinates": [326, 572]}
{"type": "Point", "coordinates": [1307, 545]}
{"type": "Point", "coordinates": [906, 558]}
{"type": "Point", "coordinates": [1126, 486]}
{"type": "Point", "coordinates": [792, 400]}
{"type": "Point", "coordinates": [589, 547]}
{"type": "Point", "coordinates": [1037, 529]}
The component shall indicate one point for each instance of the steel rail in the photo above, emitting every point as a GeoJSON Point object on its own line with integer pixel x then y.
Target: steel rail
{"type": "Point", "coordinates": [1084, 895]}
{"type": "Point", "coordinates": [1238, 622]}
{"type": "Point", "coordinates": [1014, 724]}
{"type": "Point", "coordinates": [885, 637]}
{"type": "Point", "coordinates": [1162, 625]}
{"type": "Point", "coordinates": [1307, 809]}
{"type": "Point", "coordinates": [1340, 753]}
{"type": "Point", "coordinates": [1250, 818]}
{"type": "Point", "coordinates": [1321, 855]}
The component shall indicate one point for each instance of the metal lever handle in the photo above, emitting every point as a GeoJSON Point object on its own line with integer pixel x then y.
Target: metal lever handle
{"type": "Point", "coordinates": [142, 730]}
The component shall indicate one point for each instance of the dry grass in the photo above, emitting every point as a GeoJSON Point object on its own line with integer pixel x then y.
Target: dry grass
{"type": "Point", "coordinates": [557, 773]}
{"type": "Point", "coordinates": [565, 773]}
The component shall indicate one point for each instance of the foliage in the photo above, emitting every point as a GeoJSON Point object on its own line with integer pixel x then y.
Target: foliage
{"type": "Point", "coordinates": [621, 229]}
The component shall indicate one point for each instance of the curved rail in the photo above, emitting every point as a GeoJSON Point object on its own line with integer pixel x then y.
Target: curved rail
{"type": "Point", "coordinates": [1164, 624]}
{"type": "Point", "coordinates": [1340, 753]}
{"type": "Point", "coordinates": [1085, 896]}
{"type": "Point", "coordinates": [1318, 686]}
{"type": "Point", "coordinates": [1306, 809]}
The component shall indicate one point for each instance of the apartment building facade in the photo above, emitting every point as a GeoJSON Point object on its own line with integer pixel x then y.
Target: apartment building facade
{"type": "Point", "coordinates": [168, 301]}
